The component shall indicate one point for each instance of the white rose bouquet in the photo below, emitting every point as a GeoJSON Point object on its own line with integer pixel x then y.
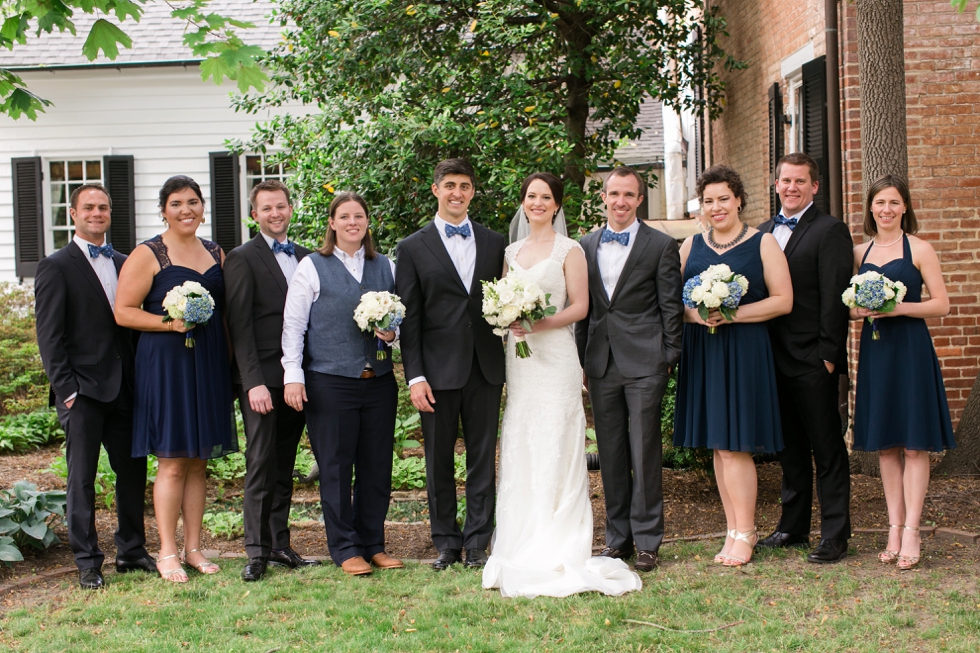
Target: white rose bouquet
{"type": "Point", "coordinates": [382, 311]}
{"type": "Point", "coordinates": [715, 288]}
{"type": "Point", "coordinates": [189, 302]}
{"type": "Point", "coordinates": [876, 292]}
{"type": "Point", "coordinates": [514, 299]}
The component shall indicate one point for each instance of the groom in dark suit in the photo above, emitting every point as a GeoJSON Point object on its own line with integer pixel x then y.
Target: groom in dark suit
{"type": "Point", "coordinates": [454, 363]}
{"type": "Point", "coordinates": [257, 277]}
{"type": "Point", "coordinates": [809, 346]}
{"type": "Point", "coordinates": [89, 361]}
{"type": "Point", "coordinates": [628, 344]}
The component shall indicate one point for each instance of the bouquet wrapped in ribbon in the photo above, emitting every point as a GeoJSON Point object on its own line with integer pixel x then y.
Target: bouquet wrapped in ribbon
{"type": "Point", "coordinates": [513, 299]}
{"type": "Point", "coordinates": [715, 288]}
{"type": "Point", "coordinates": [382, 311]}
{"type": "Point", "coordinates": [875, 292]}
{"type": "Point", "coordinates": [189, 302]}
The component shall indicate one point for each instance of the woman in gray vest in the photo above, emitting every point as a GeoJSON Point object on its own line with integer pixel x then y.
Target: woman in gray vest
{"type": "Point", "coordinates": [350, 396]}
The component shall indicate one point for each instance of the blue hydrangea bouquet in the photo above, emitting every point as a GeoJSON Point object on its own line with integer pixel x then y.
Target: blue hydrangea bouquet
{"type": "Point", "coordinates": [189, 302]}
{"type": "Point", "coordinates": [715, 288]}
{"type": "Point", "coordinates": [875, 292]}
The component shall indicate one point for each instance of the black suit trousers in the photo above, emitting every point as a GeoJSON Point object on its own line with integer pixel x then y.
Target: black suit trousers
{"type": "Point", "coordinates": [270, 454]}
{"type": "Point", "coordinates": [90, 424]}
{"type": "Point", "coordinates": [352, 432]}
{"type": "Point", "coordinates": [477, 405]}
{"type": "Point", "coordinates": [812, 434]}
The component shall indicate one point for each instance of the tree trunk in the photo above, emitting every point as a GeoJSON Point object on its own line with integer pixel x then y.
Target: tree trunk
{"type": "Point", "coordinates": [884, 143]}
{"type": "Point", "coordinates": [965, 458]}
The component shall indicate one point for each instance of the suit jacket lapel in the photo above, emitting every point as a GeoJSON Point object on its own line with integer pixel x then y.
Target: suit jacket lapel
{"type": "Point", "coordinates": [86, 270]}
{"type": "Point", "coordinates": [432, 241]}
{"type": "Point", "coordinates": [480, 239]}
{"type": "Point", "coordinates": [641, 242]}
{"type": "Point", "coordinates": [591, 245]}
{"type": "Point", "coordinates": [269, 259]}
{"type": "Point", "coordinates": [800, 229]}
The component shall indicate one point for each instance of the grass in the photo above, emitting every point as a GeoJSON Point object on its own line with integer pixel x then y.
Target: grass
{"type": "Point", "coordinates": [782, 604]}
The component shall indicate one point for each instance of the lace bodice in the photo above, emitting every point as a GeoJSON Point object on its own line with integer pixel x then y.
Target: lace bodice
{"type": "Point", "coordinates": [159, 249]}
{"type": "Point", "coordinates": [548, 273]}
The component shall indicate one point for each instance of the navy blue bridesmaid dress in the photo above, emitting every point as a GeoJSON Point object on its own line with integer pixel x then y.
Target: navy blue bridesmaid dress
{"type": "Point", "coordinates": [901, 398]}
{"type": "Point", "coordinates": [183, 397]}
{"type": "Point", "coordinates": [726, 386]}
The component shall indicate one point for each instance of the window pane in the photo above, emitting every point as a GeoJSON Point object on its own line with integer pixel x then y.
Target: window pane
{"type": "Point", "coordinates": [71, 189]}
{"type": "Point", "coordinates": [93, 170]}
{"type": "Point", "coordinates": [58, 194]}
{"type": "Point", "coordinates": [253, 165]}
{"type": "Point", "coordinates": [75, 170]}
{"type": "Point", "coordinates": [253, 182]}
{"type": "Point", "coordinates": [61, 238]}
{"type": "Point", "coordinates": [57, 171]}
{"type": "Point", "coordinates": [60, 216]}
{"type": "Point", "coordinates": [272, 171]}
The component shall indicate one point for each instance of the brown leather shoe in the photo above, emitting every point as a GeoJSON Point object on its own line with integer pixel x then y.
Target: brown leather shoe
{"type": "Point", "coordinates": [610, 552]}
{"type": "Point", "coordinates": [384, 561]}
{"type": "Point", "coordinates": [356, 566]}
{"type": "Point", "coordinates": [646, 561]}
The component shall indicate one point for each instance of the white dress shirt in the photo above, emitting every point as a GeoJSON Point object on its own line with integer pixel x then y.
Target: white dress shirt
{"type": "Point", "coordinates": [304, 289]}
{"type": "Point", "coordinates": [286, 262]}
{"type": "Point", "coordinates": [782, 232]}
{"type": "Point", "coordinates": [461, 250]}
{"type": "Point", "coordinates": [611, 257]}
{"type": "Point", "coordinates": [105, 269]}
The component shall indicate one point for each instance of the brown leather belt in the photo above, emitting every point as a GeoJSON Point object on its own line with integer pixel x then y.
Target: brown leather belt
{"type": "Point", "coordinates": [368, 374]}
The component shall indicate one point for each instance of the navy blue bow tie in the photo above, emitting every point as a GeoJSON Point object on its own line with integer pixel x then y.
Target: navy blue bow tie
{"type": "Point", "coordinates": [95, 250]}
{"type": "Point", "coordinates": [462, 230]}
{"type": "Point", "coordinates": [287, 247]}
{"type": "Point", "coordinates": [608, 236]}
{"type": "Point", "coordinates": [789, 222]}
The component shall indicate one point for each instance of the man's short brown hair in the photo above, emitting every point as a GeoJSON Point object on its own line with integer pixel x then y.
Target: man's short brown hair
{"type": "Point", "coordinates": [271, 185]}
{"type": "Point", "coordinates": [626, 171]}
{"type": "Point", "coordinates": [73, 200]}
{"type": "Point", "coordinates": [800, 159]}
{"type": "Point", "coordinates": [453, 167]}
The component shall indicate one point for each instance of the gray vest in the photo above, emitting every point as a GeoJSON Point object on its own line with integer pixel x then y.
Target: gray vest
{"type": "Point", "coordinates": [335, 345]}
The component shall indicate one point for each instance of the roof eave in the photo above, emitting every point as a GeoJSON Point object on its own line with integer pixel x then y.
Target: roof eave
{"type": "Point", "coordinates": [107, 64]}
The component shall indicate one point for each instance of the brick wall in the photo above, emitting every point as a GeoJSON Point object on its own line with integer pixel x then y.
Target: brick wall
{"type": "Point", "coordinates": [942, 60]}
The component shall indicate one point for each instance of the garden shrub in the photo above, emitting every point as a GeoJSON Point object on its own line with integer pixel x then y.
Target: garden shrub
{"type": "Point", "coordinates": [20, 433]}
{"type": "Point", "coordinates": [23, 383]}
{"type": "Point", "coordinates": [27, 518]}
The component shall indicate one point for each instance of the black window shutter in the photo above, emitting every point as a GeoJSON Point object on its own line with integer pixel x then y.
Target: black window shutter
{"type": "Point", "coordinates": [814, 100]}
{"type": "Point", "coordinates": [775, 143]}
{"type": "Point", "coordinates": [28, 214]}
{"type": "Point", "coordinates": [225, 200]}
{"type": "Point", "coordinates": [117, 175]}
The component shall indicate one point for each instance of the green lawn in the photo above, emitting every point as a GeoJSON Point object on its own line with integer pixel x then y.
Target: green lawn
{"type": "Point", "coordinates": [782, 603]}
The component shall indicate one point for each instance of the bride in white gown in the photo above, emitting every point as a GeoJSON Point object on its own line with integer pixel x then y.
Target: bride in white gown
{"type": "Point", "coordinates": [542, 544]}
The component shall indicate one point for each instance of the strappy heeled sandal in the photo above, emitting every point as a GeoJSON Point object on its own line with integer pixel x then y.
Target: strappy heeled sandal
{"type": "Point", "coordinates": [207, 567]}
{"type": "Point", "coordinates": [171, 575]}
{"type": "Point", "coordinates": [909, 562]}
{"type": "Point", "coordinates": [720, 558]}
{"type": "Point", "coordinates": [750, 537]}
{"type": "Point", "coordinates": [887, 556]}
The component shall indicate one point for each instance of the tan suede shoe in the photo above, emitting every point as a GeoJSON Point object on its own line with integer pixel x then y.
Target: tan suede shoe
{"type": "Point", "coordinates": [356, 566]}
{"type": "Point", "coordinates": [384, 561]}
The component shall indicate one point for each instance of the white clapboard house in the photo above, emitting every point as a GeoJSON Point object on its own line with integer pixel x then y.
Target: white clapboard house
{"type": "Point", "coordinates": [130, 124]}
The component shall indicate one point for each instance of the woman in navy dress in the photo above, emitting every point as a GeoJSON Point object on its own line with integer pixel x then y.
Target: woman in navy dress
{"type": "Point", "coordinates": [900, 408]}
{"type": "Point", "coordinates": [726, 390]}
{"type": "Point", "coordinates": [183, 397]}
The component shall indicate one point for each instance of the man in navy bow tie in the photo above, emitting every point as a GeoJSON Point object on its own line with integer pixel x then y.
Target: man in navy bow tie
{"type": "Point", "coordinates": [809, 346]}
{"type": "Point", "coordinates": [257, 276]}
{"type": "Point", "coordinates": [89, 361]}
{"type": "Point", "coordinates": [628, 344]}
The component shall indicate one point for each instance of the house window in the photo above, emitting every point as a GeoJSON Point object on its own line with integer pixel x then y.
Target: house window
{"type": "Point", "coordinates": [64, 176]}
{"type": "Point", "coordinates": [258, 168]}
{"type": "Point", "coordinates": [795, 114]}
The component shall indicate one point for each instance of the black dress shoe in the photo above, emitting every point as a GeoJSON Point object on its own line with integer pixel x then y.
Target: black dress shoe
{"type": "Point", "coordinates": [254, 570]}
{"type": "Point", "coordinates": [780, 540]}
{"type": "Point", "coordinates": [610, 552]}
{"type": "Point", "coordinates": [446, 559]}
{"type": "Point", "coordinates": [646, 561]}
{"type": "Point", "coordinates": [288, 558]}
{"type": "Point", "coordinates": [90, 579]}
{"type": "Point", "coordinates": [475, 558]}
{"type": "Point", "coordinates": [146, 563]}
{"type": "Point", "coordinates": [828, 551]}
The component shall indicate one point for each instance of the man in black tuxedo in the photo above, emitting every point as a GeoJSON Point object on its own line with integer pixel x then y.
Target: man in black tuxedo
{"type": "Point", "coordinates": [628, 343]}
{"type": "Point", "coordinates": [810, 349]}
{"type": "Point", "coordinates": [257, 277]}
{"type": "Point", "coordinates": [454, 363]}
{"type": "Point", "coordinates": [89, 361]}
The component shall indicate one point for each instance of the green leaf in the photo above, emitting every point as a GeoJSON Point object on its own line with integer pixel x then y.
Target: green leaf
{"type": "Point", "coordinates": [105, 36]}
{"type": "Point", "coordinates": [217, 68]}
{"type": "Point", "coordinates": [14, 28]}
{"type": "Point", "coordinates": [10, 553]}
{"type": "Point", "coordinates": [251, 77]}
{"type": "Point", "coordinates": [36, 529]}
{"type": "Point", "coordinates": [8, 526]}
{"type": "Point", "coordinates": [126, 8]}
{"type": "Point", "coordinates": [703, 311]}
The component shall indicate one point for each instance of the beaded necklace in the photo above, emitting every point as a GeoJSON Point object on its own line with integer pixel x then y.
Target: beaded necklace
{"type": "Point", "coordinates": [731, 243]}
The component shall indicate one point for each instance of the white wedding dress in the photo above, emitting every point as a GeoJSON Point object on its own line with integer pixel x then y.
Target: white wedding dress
{"type": "Point", "coordinates": [542, 544]}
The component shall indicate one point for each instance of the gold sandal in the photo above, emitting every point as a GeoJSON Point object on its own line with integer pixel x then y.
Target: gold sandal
{"type": "Point", "coordinates": [750, 537]}
{"type": "Point", "coordinates": [207, 567]}
{"type": "Point", "coordinates": [169, 575]}
{"type": "Point", "coordinates": [909, 562]}
{"type": "Point", "coordinates": [720, 558]}
{"type": "Point", "coordinates": [887, 556]}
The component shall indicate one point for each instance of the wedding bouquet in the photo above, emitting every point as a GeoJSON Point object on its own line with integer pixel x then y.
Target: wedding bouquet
{"type": "Point", "coordinates": [382, 311]}
{"type": "Point", "coordinates": [191, 303]}
{"type": "Point", "coordinates": [717, 287]}
{"type": "Point", "coordinates": [876, 292]}
{"type": "Point", "coordinates": [513, 299]}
